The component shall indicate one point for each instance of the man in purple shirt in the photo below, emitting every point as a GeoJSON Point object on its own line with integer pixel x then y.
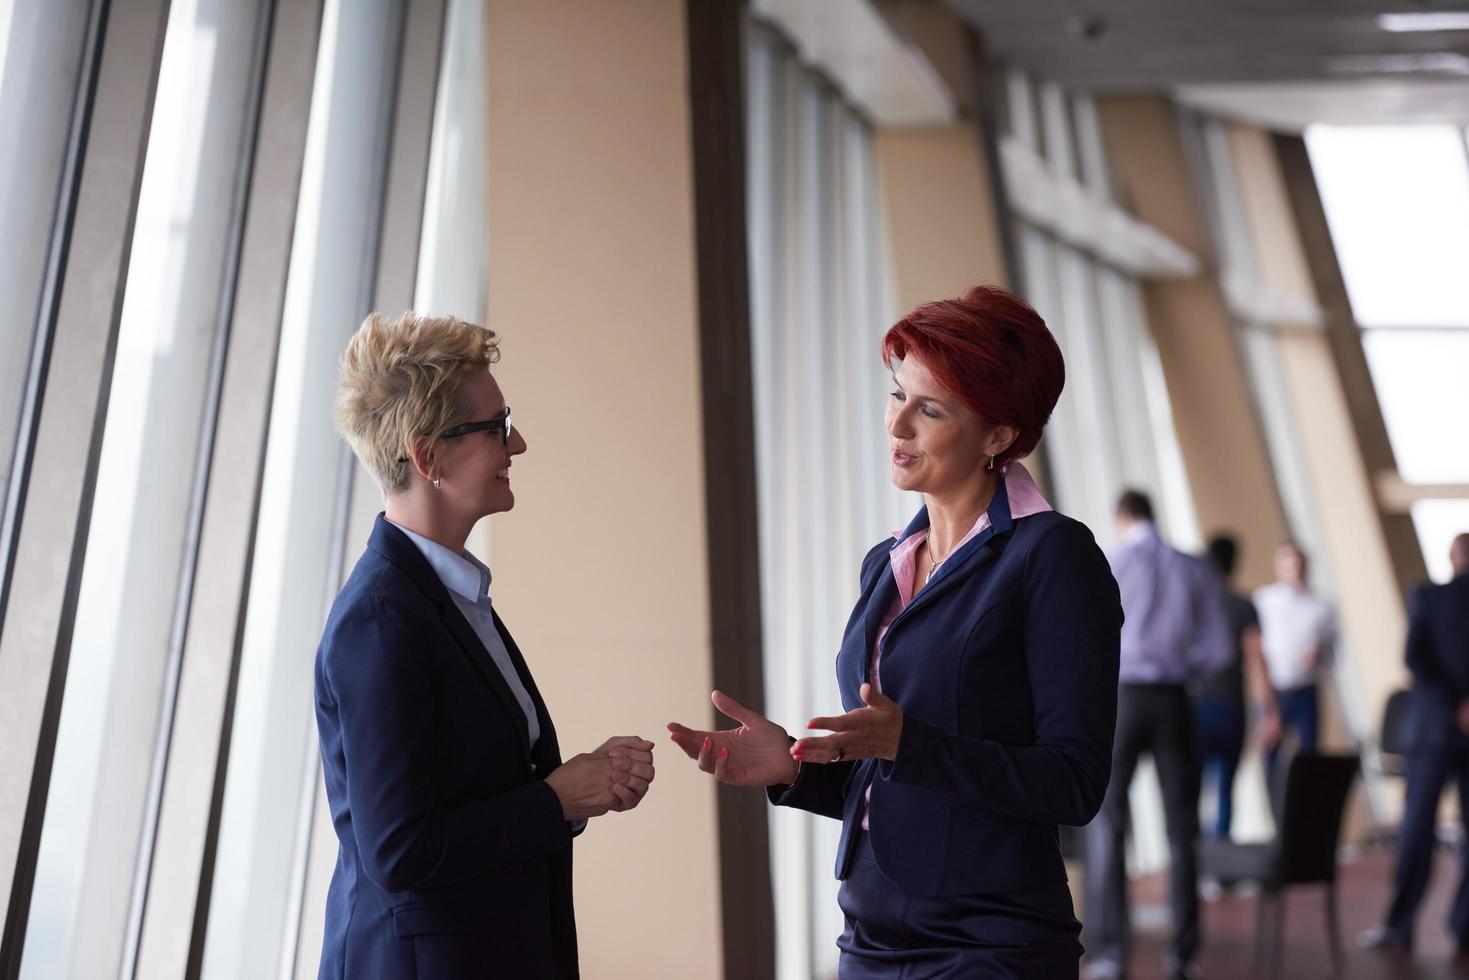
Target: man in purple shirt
{"type": "Point", "coordinates": [1175, 631]}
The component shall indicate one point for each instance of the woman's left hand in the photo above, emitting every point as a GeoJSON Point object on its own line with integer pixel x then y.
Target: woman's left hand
{"type": "Point", "coordinates": [870, 732]}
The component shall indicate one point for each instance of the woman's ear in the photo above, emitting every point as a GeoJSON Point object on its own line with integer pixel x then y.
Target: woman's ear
{"type": "Point", "coordinates": [1000, 438]}
{"type": "Point", "coordinates": [423, 458]}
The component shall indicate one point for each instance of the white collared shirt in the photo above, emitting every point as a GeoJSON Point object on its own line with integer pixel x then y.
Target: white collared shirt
{"type": "Point", "coordinates": [1293, 622]}
{"type": "Point", "coordinates": [468, 582]}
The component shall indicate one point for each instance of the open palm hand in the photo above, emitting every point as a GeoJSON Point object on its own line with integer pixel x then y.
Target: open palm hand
{"type": "Point", "coordinates": [755, 754]}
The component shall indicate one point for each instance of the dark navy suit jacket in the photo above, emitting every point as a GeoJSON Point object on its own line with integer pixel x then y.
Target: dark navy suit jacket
{"type": "Point", "coordinates": [1005, 666]}
{"type": "Point", "coordinates": [1438, 656]}
{"type": "Point", "coordinates": [455, 860]}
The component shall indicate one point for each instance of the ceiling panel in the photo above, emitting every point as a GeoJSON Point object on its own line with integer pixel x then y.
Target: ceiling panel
{"type": "Point", "coordinates": [1284, 63]}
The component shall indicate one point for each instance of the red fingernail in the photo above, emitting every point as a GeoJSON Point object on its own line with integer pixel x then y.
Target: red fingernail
{"type": "Point", "coordinates": [724, 753]}
{"type": "Point", "coordinates": [706, 743]}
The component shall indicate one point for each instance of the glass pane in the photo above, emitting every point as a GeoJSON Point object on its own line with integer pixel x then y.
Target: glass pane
{"type": "Point", "coordinates": [272, 778]}
{"type": "Point", "coordinates": [1397, 200]}
{"type": "Point", "coordinates": [1064, 438]}
{"type": "Point", "coordinates": [41, 43]}
{"type": "Point", "coordinates": [1087, 382]}
{"type": "Point", "coordinates": [1437, 523]}
{"type": "Point", "coordinates": [818, 305]}
{"type": "Point", "coordinates": [1420, 380]}
{"type": "Point", "coordinates": [453, 255]}
{"type": "Point", "coordinates": [136, 544]}
{"type": "Point", "coordinates": [1272, 393]}
{"type": "Point", "coordinates": [1124, 330]}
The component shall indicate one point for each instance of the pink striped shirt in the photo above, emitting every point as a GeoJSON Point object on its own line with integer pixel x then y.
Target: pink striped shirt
{"type": "Point", "coordinates": [1025, 499]}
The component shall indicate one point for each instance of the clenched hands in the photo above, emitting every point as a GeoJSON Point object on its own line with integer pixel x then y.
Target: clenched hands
{"type": "Point", "coordinates": [613, 777]}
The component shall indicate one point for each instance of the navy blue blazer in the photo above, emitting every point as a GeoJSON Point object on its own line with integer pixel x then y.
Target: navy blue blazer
{"type": "Point", "coordinates": [1438, 656]}
{"type": "Point", "coordinates": [1005, 666]}
{"type": "Point", "coordinates": [455, 860]}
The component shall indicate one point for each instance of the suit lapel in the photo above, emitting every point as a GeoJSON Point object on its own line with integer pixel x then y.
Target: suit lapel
{"type": "Point", "coordinates": [547, 752]}
{"type": "Point", "coordinates": [982, 549]}
{"type": "Point", "coordinates": [394, 545]}
{"type": "Point", "coordinates": [474, 650]}
{"type": "Point", "coordinates": [879, 592]}
{"type": "Point", "coordinates": [881, 596]}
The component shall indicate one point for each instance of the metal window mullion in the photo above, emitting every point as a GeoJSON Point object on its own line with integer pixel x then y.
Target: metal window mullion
{"type": "Point", "coordinates": [203, 459]}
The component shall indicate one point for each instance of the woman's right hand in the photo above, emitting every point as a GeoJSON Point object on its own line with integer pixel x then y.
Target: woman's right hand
{"type": "Point", "coordinates": [758, 753]}
{"type": "Point", "coordinates": [590, 784]}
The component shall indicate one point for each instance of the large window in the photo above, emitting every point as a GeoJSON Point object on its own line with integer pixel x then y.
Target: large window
{"type": "Point", "coordinates": [1397, 201]}
{"type": "Point", "coordinates": [146, 486]}
{"type": "Point", "coordinates": [1113, 427]}
{"type": "Point", "coordinates": [818, 309]}
{"type": "Point", "coordinates": [213, 194]}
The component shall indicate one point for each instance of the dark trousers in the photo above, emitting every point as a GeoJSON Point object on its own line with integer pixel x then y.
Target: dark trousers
{"type": "Point", "coordinates": [1427, 774]}
{"type": "Point", "coordinates": [1300, 712]}
{"type": "Point", "coordinates": [1221, 742]}
{"type": "Point", "coordinates": [1157, 719]}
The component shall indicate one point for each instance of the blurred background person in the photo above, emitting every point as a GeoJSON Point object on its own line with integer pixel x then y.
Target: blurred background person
{"type": "Point", "coordinates": [1438, 751]}
{"type": "Point", "coordinates": [1220, 699]}
{"type": "Point", "coordinates": [1175, 632]}
{"type": "Point", "coordinates": [977, 671]}
{"type": "Point", "coordinates": [1297, 629]}
{"type": "Point", "coordinates": [453, 808]}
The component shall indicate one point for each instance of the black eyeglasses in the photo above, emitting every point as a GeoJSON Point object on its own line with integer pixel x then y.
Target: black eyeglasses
{"type": "Point", "coordinates": [500, 425]}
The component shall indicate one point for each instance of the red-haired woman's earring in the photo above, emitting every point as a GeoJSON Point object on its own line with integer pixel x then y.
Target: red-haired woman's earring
{"type": "Point", "coordinates": [439, 479]}
{"type": "Point", "coordinates": [992, 461]}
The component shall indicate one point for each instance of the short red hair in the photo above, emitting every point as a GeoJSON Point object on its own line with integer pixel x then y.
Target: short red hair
{"type": "Point", "coordinates": [990, 348]}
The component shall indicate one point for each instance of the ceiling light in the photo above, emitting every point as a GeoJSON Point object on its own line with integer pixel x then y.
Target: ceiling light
{"type": "Point", "coordinates": [1402, 23]}
{"type": "Point", "coordinates": [1428, 63]}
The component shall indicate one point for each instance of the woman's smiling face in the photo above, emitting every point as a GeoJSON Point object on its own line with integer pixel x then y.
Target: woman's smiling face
{"type": "Point", "coordinates": [939, 444]}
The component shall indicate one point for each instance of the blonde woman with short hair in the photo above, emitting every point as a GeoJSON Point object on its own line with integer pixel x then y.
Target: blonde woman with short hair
{"type": "Point", "coordinates": [452, 805]}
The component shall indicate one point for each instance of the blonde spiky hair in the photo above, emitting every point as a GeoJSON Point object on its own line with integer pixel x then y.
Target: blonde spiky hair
{"type": "Point", "coordinates": [402, 379]}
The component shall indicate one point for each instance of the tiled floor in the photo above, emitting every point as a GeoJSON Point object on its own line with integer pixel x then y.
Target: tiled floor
{"type": "Point", "coordinates": [1229, 929]}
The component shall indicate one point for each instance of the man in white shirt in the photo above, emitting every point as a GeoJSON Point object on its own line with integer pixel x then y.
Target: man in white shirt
{"type": "Point", "coordinates": [1297, 630]}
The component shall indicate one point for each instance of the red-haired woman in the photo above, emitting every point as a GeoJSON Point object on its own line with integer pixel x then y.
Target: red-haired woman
{"type": "Point", "coordinates": [978, 673]}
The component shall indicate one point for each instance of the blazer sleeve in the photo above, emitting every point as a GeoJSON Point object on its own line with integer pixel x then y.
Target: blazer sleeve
{"type": "Point", "coordinates": [819, 789]}
{"type": "Point", "coordinates": [1072, 629]}
{"type": "Point", "coordinates": [382, 694]}
{"type": "Point", "coordinates": [1421, 661]}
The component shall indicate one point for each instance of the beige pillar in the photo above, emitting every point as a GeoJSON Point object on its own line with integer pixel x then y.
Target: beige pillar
{"type": "Point", "coordinates": [1223, 448]}
{"type": "Point", "coordinates": [600, 570]}
{"type": "Point", "coordinates": [940, 212]}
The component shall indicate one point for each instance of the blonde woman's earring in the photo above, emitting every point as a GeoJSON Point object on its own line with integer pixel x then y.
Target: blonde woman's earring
{"type": "Point", "coordinates": [438, 480]}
